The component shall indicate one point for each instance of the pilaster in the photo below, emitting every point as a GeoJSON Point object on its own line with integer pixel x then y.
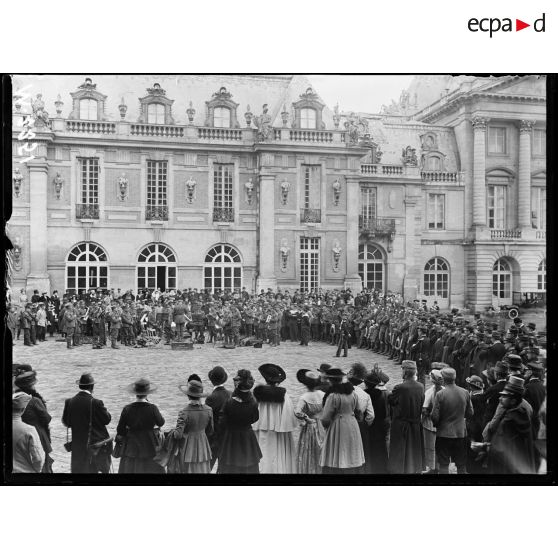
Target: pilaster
{"type": "Point", "coordinates": [352, 279]}
{"type": "Point", "coordinates": [524, 175]}
{"type": "Point", "coordinates": [266, 252]}
{"type": "Point", "coordinates": [479, 171]}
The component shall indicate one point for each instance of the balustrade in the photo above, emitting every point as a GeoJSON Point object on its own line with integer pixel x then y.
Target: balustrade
{"type": "Point", "coordinates": [157, 130]}
{"type": "Point", "coordinates": [90, 127]}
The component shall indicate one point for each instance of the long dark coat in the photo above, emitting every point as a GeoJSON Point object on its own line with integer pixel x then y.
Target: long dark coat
{"type": "Point", "coordinates": [217, 401]}
{"type": "Point", "coordinates": [376, 451]}
{"type": "Point", "coordinates": [76, 415]}
{"type": "Point", "coordinates": [406, 452]}
{"type": "Point", "coordinates": [136, 426]}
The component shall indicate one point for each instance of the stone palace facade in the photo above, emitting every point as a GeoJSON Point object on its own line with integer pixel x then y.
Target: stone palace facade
{"type": "Point", "coordinates": [223, 181]}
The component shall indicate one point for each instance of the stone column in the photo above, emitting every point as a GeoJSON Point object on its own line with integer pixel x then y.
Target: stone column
{"type": "Point", "coordinates": [524, 182]}
{"type": "Point", "coordinates": [410, 280]}
{"type": "Point", "coordinates": [266, 248]}
{"type": "Point", "coordinates": [352, 279]}
{"type": "Point", "coordinates": [38, 277]}
{"type": "Point", "coordinates": [479, 171]}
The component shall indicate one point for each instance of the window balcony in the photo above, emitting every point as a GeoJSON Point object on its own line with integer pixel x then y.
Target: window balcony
{"type": "Point", "coordinates": [376, 226]}
{"type": "Point", "coordinates": [505, 234]}
{"type": "Point", "coordinates": [310, 215]}
{"type": "Point", "coordinates": [434, 177]}
{"type": "Point", "coordinates": [157, 213]}
{"type": "Point", "coordinates": [87, 211]}
{"type": "Point", "coordinates": [223, 215]}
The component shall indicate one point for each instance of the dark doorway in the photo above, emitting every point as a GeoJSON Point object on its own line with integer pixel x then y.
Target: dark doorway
{"type": "Point", "coordinates": [161, 277]}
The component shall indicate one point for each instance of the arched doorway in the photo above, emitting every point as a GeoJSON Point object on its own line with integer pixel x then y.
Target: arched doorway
{"type": "Point", "coordinates": [222, 269]}
{"type": "Point", "coordinates": [371, 267]}
{"type": "Point", "coordinates": [502, 282]}
{"type": "Point", "coordinates": [436, 282]}
{"type": "Point", "coordinates": [86, 268]}
{"type": "Point", "coordinates": [156, 268]}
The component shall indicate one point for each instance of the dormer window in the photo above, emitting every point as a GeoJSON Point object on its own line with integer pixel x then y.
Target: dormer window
{"type": "Point", "coordinates": [88, 109]}
{"type": "Point", "coordinates": [433, 164]}
{"type": "Point", "coordinates": [221, 117]}
{"type": "Point", "coordinates": [155, 113]}
{"type": "Point", "coordinates": [308, 118]}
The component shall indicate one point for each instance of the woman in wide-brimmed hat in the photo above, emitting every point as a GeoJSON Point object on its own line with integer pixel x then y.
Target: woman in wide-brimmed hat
{"type": "Point", "coordinates": [342, 451]}
{"type": "Point", "coordinates": [240, 451]}
{"type": "Point", "coordinates": [308, 409]}
{"type": "Point", "coordinates": [35, 413]}
{"type": "Point", "coordinates": [194, 425]}
{"type": "Point", "coordinates": [136, 429]}
{"type": "Point", "coordinates": [276, 424]}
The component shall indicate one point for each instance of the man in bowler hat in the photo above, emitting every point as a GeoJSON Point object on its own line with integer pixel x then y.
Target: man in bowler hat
{"type": "Point", "coordinates": [88, 419]}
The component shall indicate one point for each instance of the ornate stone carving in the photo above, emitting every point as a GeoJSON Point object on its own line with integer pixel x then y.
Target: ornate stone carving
{"type": "Point", "coordinates": [263, 123]}
{"type": "Point", "coordinates": [88, 85]}
{"type": "Point", "coordinates": [190, 112]}
{"type": "Point", "coordinates": [248, 115]}
{"type": "Point", "coordinates": [479, 123]}
{"type": "Point", "coordinates": [58, 104]}
{"type": "Point", "coordinates": [285, 116]}
{"type": "Point", "coordinates": [409, 156]}
{"type": "Point", "coordinates": [378, 155]}
{"type": "Point", "coordinates": [285, 187]}
{"type": "Point", "coordinates": [429, 142]}
{"type": "Point", "coordinates": [336, 116]}
{"type": "Point", "coordinates": [123, 108]}
{"type": "Point", "coordinates": [191, 190]}
{"type": "Point", "coordinates": [311, 100]}
{"type": "Point", "coordinates": [17, 180]}
{"type": "Point", "coordinates": [249, 191]}
{"type": "Point", "coordinates": [357, 128]}
{"type": "Point", "coordinates": [16, 253]}
{"type": "Point", "coordinates": [221, 98]}
{"type": "Point", "coordinates": [158, 95]}
{"type": "Point", "coordinates": [526, 126]}
{"type": "Point", "coordinates": [284, 251]}
{"type": "Point", "coordinates": [122, 187]}
{"type": "Point", "coordinates": [157, 90]}
{"type": "Point", "coordinates": [58, 185]}
{"type": "Point", "coordinates": [336, 191]}
{"type": "Point", "coordinates": [39, 113]}
{"type": "Point", "coordinates": [336, 253]}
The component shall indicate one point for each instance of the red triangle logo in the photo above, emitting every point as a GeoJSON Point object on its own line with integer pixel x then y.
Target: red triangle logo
{"type": "Point", "coordinates": [519, 25]}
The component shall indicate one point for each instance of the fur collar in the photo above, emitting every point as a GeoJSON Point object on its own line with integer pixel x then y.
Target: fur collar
{"type": "Point", "coordinates": [270, 394]}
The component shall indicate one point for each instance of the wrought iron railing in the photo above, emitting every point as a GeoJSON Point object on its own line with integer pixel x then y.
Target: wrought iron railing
{"type": "Point", "coordinates": [157, 213]}
{"type": "Point", "coordinates": [311, 215]}
{"type": "Point", "coordinates": [223, 215]}
{"type": "Point", "coordinates": [87, 211]}
{"type": "Point", "coordinates": [376, 226]}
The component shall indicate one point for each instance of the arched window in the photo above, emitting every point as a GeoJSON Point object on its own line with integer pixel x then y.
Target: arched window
{"type": "Point", "coordinates": [222, 269]}
{"type": "Point", "coordinates": [436, 278]}
{"type": "Point", "coordinates": [86, 268]}
{"type": "Point", "coordinates": [433, 163]}
{"type": "Point", "coordinates": [156, 268]}
{"type": "Point", "coordinates": [371, 266]}
{"type": "Point", "coordinates": [541, 276]}
{"type": "Point", "coordinates": [221, 117]}
{"type": "Point", "coordinates": [501, 281]}
{"type": "Point", "coordinates": [308, 118]}
{"type": "Point", "coordinates": [88, 109]}
{"type": "Point", "coordinates": [155, 113]}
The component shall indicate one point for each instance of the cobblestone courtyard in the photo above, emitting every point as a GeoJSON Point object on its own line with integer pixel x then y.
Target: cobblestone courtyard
{"type": "Point", "coordinates": [58, 369]}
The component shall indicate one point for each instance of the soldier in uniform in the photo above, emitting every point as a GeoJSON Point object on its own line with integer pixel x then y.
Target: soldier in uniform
{"type": "Point", "coordinates": [305, 327]}
{"type": "Point", "coordinates": [69, 322]}
{"type": "Point", "coordinates": [343, 342]}
{"type": "Point", "coordinates": [26, 319]}
{"type": "Point", "coordinates": [126, 331]}
{"type": "Point", "coordinates": [115, 324]}
{"type": "Point", "coordinates": [95, 314]}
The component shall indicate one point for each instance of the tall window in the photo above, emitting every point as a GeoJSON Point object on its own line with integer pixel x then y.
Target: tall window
{"type": "Point", "coordinates": [156, 268]}
{"type": "Point", "coordinates": [538, 208]}
{"type": "Point", "coordinates": [311, 175]}
{"type": "Point", "coordinates": [436, 211]}
{"type": "Point", "coordinates": [433, 163]}
{"type": "Point", "coordinates": [223, 186]}
{"type": "Point", "coordinates": [541, 276]}
{"type": "Point", "coordinates": [156, 183]}
{"type": "Point", "coordinates": [371, 267]}
{"type": "Point", "coordinates": [155, 113]}
{"type": "Point", "coordinates": [368, 204]}
{"type": "Point", "coordinates": [539, 142]}
{"type": "Point", "coordinates": [88, 109]}
{"type": "Point", "coordinates": [308, 118]}
{"type": "Point", "coordinates": [436, 278]}
{"type": "Point", "coordinates": [222, 269]}
{"type": "Point", "coordinates": [221, 117]}
{"type": "Point", "coordinates": [86, 268]}
{"type": "Point", "coordinates": [89, 178]}
{"type": "Point", "coordinates": [309, 263]}
{"type": "Point", "coordinates": [501, 279]}
{"type": "Point", "coordinates": [496, 206]}
{"type": "Point", "coordinates": [496, 140]}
